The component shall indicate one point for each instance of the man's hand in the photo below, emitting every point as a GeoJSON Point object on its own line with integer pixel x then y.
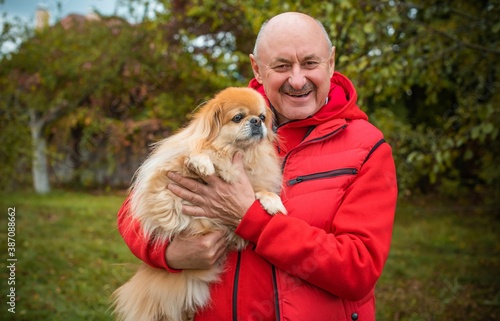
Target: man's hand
{"type": "Point", "coordinates": [196, 252]}
{"type": "Point", "coordinates": [216, 198]}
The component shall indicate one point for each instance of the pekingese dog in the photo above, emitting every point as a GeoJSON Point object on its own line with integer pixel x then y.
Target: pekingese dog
{"type": "Point", "coordinates": [236, 119]}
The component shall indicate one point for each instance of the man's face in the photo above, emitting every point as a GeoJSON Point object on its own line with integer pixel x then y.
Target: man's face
{"type": "Point", "coordinates": [295, 68]}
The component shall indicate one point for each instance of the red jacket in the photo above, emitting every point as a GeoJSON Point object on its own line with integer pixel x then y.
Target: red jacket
{"type": "Point", "coordinates": [321, 262]}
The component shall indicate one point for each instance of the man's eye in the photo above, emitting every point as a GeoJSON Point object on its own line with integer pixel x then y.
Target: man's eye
{"type": "Point", "coordinates": [237, 118]}
{"type": "Point", "coordinates": [283, 67]}
{"type": "Point", "coordinates": [311, 64]}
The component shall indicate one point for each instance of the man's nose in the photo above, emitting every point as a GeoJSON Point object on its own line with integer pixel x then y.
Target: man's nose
{"type": "Point", "coordinates": [297, 79]}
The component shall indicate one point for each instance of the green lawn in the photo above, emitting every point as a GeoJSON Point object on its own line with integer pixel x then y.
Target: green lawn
{"type": "Point", "coordinates": [70, 256]}
{"type": "Point", "coordinates": [444, 261]}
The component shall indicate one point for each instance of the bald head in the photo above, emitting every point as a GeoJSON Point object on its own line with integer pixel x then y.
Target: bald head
{"type": "Point", "coordinates": [291, 24]}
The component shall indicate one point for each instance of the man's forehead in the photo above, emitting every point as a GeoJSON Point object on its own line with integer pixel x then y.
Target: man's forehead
{"type": "Point", "coordinates": [283, 51]}
{"type": "Point", "coordinates": [293, 45]}
{"type": "Point", "coordinates": [289, 57]}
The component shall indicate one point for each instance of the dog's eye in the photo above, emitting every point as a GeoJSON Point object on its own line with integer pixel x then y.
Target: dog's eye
{"type": "Point", "coordinates": [262, 117]}
{"type": "Point", "coordinates": [238, 118]}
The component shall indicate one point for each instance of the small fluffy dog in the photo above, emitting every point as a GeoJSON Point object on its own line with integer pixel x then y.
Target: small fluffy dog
{"type": "Point", "coordinates": [236, 119]}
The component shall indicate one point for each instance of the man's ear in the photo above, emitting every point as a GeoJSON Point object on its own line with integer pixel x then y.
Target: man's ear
{"type": "Point", "coordinates": [256, 69]}
{"type": "Point", "coordinates": [331, 62]}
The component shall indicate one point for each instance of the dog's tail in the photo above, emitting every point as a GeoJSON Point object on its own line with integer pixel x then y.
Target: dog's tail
{"type": "Point", "coordinates": [155, 294]}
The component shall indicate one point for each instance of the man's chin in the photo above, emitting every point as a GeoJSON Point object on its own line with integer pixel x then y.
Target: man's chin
{"type": "Point", "coordinates": [297, 113]}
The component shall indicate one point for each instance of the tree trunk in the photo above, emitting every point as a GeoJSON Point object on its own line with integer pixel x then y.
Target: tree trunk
{"type": "Point", "coordinates": [40, 171]}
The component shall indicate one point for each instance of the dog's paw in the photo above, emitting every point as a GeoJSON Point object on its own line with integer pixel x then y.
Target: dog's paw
{"type": "Point", "coordinates": [201, 164]}
{"type": "Point", "coordinates": [271, 202]}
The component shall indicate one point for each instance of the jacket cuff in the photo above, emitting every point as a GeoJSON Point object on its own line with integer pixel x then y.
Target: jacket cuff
{"type": "Point", "coordinates": [158, 257]}
{"type": "Point", "coordinates": [253, 223]}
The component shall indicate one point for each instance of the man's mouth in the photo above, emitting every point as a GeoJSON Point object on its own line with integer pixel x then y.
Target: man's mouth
{"type": "Point", "coordinates": [298, 95]}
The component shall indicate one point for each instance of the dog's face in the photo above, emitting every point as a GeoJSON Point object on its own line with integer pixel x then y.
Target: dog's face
{"type": "Point", "coordinates": [238, 117]}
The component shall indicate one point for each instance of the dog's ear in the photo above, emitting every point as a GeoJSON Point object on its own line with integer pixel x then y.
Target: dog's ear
{"type": "Point", "coordinates": [269, 119]}
{"type": "Point", "coordinates": [208, 122]}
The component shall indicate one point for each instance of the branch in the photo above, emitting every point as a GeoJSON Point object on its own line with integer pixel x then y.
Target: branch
{"type": "Point", "coordinates": [411, 5]}
{"type": "Point", "coordinates": [446, 35]}
{"type": "Point", "coordinates": [59, 110]}
{"type": "Point", "coordinates": [54, 113]}
{"type": "Point", "coordinates": [465, 14]}
{"type": "Point", "coordinates": [460, 42]}
{"type": "Point", "coordinates": [41, 120]}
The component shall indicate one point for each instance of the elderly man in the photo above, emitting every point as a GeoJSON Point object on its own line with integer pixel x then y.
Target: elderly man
{"type": "Point", "coordinates": [322, 260]}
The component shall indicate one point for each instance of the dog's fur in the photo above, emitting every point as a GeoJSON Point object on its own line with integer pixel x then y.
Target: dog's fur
{"type": "Point", "coordinates": [236, 119]}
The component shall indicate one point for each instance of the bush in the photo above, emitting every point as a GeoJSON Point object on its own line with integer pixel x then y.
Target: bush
{"type": "Point", "coordinates": [456, 160]}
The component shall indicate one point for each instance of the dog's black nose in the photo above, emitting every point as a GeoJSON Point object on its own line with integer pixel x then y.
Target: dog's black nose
{"type": "Point", "coordinates": [256, 122]}
{"type": "Point", "coordinates": [256, 127]}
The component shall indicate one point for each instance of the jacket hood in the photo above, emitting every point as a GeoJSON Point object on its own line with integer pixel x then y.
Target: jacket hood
{"type": "Point", "coordinates": [341, 103]}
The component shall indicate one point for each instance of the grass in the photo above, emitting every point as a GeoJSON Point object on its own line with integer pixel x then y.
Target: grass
{"type": "Point", "coordinates": [443, 265]}
{"type": "Point", "coordinates": [69, 253]}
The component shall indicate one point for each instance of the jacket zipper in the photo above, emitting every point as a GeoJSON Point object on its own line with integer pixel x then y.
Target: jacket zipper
{"type": "Point", "coordinates": [310, 142]}
{"type": "Point", "coordinates": [328, 174]}
{"type": "Point", "coordinates": [275, 283]}
{"type": "Point", "coordinates": [235, 287]}
{"type": "Point", "coordinates": [276, 295]}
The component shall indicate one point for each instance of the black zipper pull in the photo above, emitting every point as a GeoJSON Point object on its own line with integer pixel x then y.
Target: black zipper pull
{"type": "Point", "coordinates": [294, 181]}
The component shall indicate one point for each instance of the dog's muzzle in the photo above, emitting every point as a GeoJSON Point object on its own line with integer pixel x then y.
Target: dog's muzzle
{"type": "Point", "coordinates": [256, 128]}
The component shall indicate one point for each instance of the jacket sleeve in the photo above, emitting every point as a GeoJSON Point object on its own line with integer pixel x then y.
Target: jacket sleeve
{"type": "Point", "coordinates": [152, 253]}
{"type": "Point", "coordinates": [347, 261]}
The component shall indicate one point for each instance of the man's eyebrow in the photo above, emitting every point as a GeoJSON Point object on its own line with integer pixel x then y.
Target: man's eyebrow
{"type": "Point", "coordinates": [287, 61]}
{"type": "Point", "coordinates": [280, 60]}
{"type": "Point", "coordinates": [312, 57]}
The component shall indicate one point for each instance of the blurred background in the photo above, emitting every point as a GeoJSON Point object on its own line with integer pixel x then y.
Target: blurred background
{"type": "Point", "coordinates": [87, 86]}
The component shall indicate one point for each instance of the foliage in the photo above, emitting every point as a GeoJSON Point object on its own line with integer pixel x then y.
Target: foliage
{"type": "Point", "coordinates": [15, 151]}
{"type": "Point", "coordinates": [75, 68]}
{"type": "Point", "coordinates": [449, 76]}
{"type": "Point", "coordinates": [426, 70]}
{"type": "Point", "coordinates": [96, 73]}
{"type": "Point", "coordinates": [443, 262]}
{"type": "Point", "coordinates": [443, 160]}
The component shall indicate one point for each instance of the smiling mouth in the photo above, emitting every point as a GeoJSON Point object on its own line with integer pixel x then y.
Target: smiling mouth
{"type": "Point", "coordinates": [299, 95]}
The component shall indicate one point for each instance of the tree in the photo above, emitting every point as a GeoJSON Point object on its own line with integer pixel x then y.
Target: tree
{"type": "Point", "coordinates": [418, 59]}
{"type": "Point", "coordinates": [451, 49]}
{"type": "Point", "coordinates": [58, 70]}
{"type": "Point", "coordinates": [426, 77]}
{"type": "Point", "coordinates": [97, 74]}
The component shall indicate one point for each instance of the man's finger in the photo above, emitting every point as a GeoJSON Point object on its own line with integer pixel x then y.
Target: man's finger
{"type": "Point", "coordinates": [185, 182]}
{"type": "Point", "coordinates": [193, 210]}
{"type": "Point", "coordinates": [183, 193]}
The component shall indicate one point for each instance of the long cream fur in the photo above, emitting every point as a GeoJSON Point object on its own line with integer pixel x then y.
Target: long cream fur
{"type": "Point", "coordinates": [226, 124]}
